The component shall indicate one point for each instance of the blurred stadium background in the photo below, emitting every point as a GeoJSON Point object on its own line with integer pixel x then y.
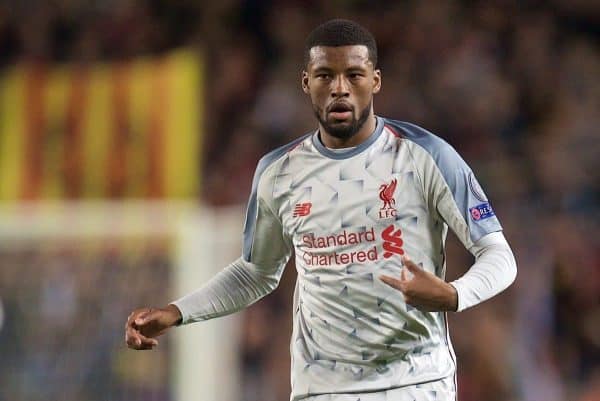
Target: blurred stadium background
{"type": "Point", "coordinates": [129, 133]}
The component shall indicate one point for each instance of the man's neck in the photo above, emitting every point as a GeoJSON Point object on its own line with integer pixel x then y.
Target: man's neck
{"type": "Point", "coordinates": [362, 135]}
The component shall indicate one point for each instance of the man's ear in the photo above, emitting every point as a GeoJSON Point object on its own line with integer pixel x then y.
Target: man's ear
{"type": "Point", "coordinates": [376, 81]}
{"type": "Point", "coordinates": [305, 86]}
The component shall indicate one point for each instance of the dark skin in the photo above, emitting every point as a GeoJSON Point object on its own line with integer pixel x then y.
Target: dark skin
{"type": "Point", "coordinates": [343, 76]}
{"type": "Point", "coordinates": [423, 290]}
{"type": "Point", "coordinates": [341, 82]}
{"type": "Point", "coordinates": [145, 324]}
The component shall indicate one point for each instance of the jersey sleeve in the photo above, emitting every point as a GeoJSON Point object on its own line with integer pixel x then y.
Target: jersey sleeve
{"type": "Point", "coordinates": [450, 187]}
{"type": "Point", "coordinates": [266, 250]}
{"type": "Point", "coordinates": [458, 198]}
{"type": "Point", "coordinates": [495, 268]}
{"type": "Point", "coordinates": [264, 242]}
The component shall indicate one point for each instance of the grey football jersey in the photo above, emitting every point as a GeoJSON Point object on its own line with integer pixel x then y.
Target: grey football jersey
{"type": "Point", "coordinates": [348, 217]}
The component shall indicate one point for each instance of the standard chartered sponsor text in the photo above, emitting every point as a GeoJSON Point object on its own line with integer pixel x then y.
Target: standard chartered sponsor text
{"type": "Point", "coordinates": [319, 258]}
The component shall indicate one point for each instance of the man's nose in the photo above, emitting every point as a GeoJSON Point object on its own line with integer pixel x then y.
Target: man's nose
{"type": "Point", "coordinates": [340, 87]}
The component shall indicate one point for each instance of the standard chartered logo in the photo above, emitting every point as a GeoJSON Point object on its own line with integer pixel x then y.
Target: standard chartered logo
{"type": "Point", "coordinates": [392, 241]}
{"type": "Point", "coordinates": [325, 250]}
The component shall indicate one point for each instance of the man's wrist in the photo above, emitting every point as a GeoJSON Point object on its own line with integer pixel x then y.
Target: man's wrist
{"type": "Point", "coordinates": [452, 298]}
{"type": "Point", "coordinates": [174, 311]}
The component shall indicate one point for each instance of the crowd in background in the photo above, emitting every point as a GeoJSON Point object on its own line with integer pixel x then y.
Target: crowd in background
{"type": "Point", "coordinates": [514, 86]}
{"type": "Point", "coordinates": [65, 303]}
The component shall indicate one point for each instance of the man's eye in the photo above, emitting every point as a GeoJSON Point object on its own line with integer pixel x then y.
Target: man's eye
{"type": "Point", "coordinates": [323, 76]}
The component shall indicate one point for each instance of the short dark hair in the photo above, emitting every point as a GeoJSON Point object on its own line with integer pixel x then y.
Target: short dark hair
{"type": "Point", "coordinates": [340, 32]}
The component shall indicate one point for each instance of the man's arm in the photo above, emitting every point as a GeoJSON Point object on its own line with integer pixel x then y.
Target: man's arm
{"type": "Point", "coordinates": [266, 250]}
{"type": "Point", "coordinates": [494, 270]}
{"type": "Point", "coordinates": [237, 286]}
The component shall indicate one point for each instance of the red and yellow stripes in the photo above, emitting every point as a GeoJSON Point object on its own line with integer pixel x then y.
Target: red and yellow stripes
{"type": "Point", "coordinates": [127, 130]}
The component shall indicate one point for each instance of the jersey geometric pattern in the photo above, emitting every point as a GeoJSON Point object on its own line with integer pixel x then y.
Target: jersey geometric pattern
{"type": "Point", "coordinates": [349, 216]}
{"type": "Point", "coordinates": [439, 390]}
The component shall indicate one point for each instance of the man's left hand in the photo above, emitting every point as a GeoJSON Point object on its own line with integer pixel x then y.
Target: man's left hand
{"type": "Point", "coordinates": [424, 291]}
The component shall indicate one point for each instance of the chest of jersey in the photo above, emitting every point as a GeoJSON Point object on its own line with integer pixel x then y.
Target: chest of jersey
{"type": "Point", "coordinates": [360, 209]}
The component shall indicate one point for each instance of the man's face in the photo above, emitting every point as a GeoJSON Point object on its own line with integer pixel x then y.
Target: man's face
{"type": "Point", "coordinates": [341, 82]}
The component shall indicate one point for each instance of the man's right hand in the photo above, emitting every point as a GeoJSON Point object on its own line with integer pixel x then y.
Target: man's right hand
{"type": "Point", "coordinates": [145, 324]}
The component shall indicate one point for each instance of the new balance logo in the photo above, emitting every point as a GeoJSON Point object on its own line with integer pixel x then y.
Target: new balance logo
{"type": "Point", "coordinates": [302, 209]}
{"type": "Point", "coordinates": [392, 242]}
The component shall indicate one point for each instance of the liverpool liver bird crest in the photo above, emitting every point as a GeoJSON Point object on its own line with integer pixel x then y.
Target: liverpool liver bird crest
{"type": "Point", "coordinates": [386, 194]}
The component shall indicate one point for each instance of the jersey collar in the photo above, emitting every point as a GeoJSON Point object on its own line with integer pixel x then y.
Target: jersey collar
{"type": "Point", "coordinates": [350, 152]}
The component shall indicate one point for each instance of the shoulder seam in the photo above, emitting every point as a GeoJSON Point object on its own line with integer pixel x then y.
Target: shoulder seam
{"type": "Point", "coordinates": [421, 179]}
{"type": "Point", "coordinates": [393, 130]}
{"type": "Point", "coordinates": [287, 148]}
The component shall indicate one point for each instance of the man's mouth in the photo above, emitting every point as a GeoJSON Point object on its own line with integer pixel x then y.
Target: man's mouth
{"type": "Point", "coordinates": [340, 111]}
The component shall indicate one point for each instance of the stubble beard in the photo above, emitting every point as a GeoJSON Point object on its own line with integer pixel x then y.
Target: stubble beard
{"type": "Point", "coordinates": [344, 131]}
